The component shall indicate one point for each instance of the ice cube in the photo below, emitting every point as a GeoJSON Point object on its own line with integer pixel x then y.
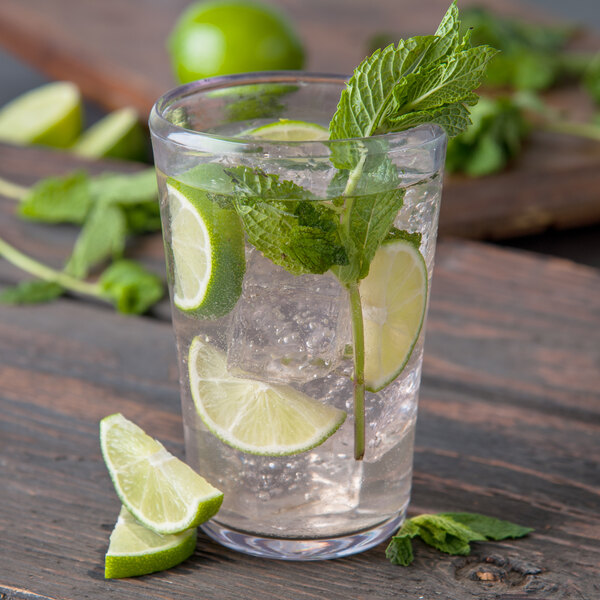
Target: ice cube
{"type": "Point", "coordinates": [287, 328]}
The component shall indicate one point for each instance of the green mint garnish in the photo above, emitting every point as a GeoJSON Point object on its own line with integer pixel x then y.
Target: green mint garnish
{"type": "Point", "coordinates": [427, 79]}
{"type": "Point", "coordinates": [302, 237]}
{"type": "Point", "coordinates": [450, 533]}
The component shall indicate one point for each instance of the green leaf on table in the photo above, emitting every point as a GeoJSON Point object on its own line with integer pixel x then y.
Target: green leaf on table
{"type": "Point", "coordinates": [132, 288]}
{"type": "Point", "coordinates": [102, 237]}
{"type": "Point", "coordinates": [125, 188]}
{"type": "Point", "coordinates": [490, 527]}
{"type": "Point", "coordinates": [58, 199]}
{"type": "Point", "coordinates": [302, 237]}
{"type": "Point", "coordinates": [495, 136]}
{"type": "Point", "coordinates": [450, 533]}
{"type": "Point", "coordinates": [34, 291]}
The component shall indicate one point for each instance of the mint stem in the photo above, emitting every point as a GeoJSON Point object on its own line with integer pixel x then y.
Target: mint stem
{"type": "Point", "coordinates": [358, 336]}
{"type": "Point", "coordinates": [13, 190]}
{"type": "Point", "coordinates": [33, 267]}
{"type": "Point", "coordinates": [584, 130]}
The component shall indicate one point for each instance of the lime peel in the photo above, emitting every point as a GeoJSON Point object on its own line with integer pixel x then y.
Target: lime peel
{"type": "Point", "coordinates": [135, 550]}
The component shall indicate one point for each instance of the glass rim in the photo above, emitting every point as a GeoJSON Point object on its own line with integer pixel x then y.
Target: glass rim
{"type": "Point", "coordinates": [162, 128]}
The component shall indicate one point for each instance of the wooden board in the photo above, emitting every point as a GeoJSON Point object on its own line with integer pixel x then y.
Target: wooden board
{"type": "Point", "coordinates": [115, 50]}
{"type": "Point", "coordinates": [509, 424]}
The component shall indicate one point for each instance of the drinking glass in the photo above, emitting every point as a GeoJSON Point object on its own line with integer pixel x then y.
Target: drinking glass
{"type": "Point", "coordinates": [266, 350]}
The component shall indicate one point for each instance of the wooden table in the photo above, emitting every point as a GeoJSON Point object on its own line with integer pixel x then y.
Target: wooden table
{"type": "Point", "coordinates": [509, 417]}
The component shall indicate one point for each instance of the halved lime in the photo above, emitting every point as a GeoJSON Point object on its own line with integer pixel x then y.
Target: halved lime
{"type": "Point", "coordinates": [286, 130]}
{"type": "Point", "coordinates": [162, 492]}
{"type": "Point", "coordinates": [253, 416]}
{"type": "Point", "coordinates": [134, 550]}
{"type": "Point", "coordinates": [118, 135]}
{"type": "Point", "coordinates": [207, 241]}
{"type": "Point", "coordinates": [394, 299]}
{"type": "Point", "coordinates": [50, 115]}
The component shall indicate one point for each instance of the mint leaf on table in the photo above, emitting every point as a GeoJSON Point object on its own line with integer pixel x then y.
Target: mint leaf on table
{"type": "Point", "coordinates": [495, 136]}
{"type": "Point", "coordinates": [58, 199]}
{"type": "Point", "coordinates": [102, 237]}
{"type": "Point", "coordinates": [130, 287]}
{"type": "Point", "coordinates": [125, 188]}
{"type": "Point", "coordinates": [35, 291]}
{"type": "Point", "coordinates": [450, 533]}
{"type": "Point", "coordinates": [302, 237]}
{"type": "Point", "coordinates": [491, 528]}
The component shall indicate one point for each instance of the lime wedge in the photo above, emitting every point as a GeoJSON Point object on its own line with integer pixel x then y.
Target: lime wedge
{"type": "Point", "coordinates": [50, 115]}
{"type": "Point", "coordinates": [162, 492]}
{"type": "Point", "coordinates": [134, 550]}
{"type": "Point", "coordinates": [253, 416]}
{"type": "Point", "coordinates": [394, 299]}
{"type": "Point", "coordinates": [208, 253]}
{"type": "Point", "coordinates": [118, 135]}
{"type": "Point", "coordinates": [285, 130]}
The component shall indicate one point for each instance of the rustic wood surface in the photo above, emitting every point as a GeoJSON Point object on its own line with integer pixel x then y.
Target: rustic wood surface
{"type": "Point", "coordinates": [115, 50]}
{"type": "Point", "coordinates": [509, 425]}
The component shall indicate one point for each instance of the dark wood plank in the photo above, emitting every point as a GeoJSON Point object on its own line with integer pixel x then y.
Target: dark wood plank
{"type": "Point", "coordinates": [115, 50]}
{"type": "Point", "coordinates": [509, 423]}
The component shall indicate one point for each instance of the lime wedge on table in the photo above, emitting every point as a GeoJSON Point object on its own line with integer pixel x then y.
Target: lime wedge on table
{"type": "Point", "coordinates": [50, 115]}
{"type": "Point", "coordinates": [208, 252]}
{"type": "Point", "coordinates": [162, 492]}
{"type": "Point", "coordinates": [118, 135]}
{"type": "Point", "coordinates": [394, 298]}
{"type": "Point", "coordinates": [253, 416]}
{"type": "Point", "coordinates": [289, 131]}
{"type": "Point", "coordinates": [134, 550]}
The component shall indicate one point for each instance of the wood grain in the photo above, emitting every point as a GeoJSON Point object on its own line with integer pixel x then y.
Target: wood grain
{"type": "Point", "coordinates": [508, 426]}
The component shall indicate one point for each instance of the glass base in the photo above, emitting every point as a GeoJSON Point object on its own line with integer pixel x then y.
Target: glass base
{"type": "Point", "coordinates": [302, 549]}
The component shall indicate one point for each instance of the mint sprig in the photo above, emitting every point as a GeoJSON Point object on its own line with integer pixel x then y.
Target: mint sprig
{"type": "Point", "coordinates": [427, 79]}
{"type": "Point", "coordinates": [450, 533]}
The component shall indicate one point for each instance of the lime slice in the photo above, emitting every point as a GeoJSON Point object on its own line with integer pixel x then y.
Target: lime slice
{"type": "Point", "coordinates": [118, 135]}
{"type": "Point", "coordinates": [208, 253]}
{"type": "Point", "coordinates": [253, 416]}
{"type": "Point", "coordinates": [50, 115]}
{"type": "Point", "coordinates": [162, 492]}
{"type": "Point", "coordinates": [394, 299]}
{"type": "Point", "coordinates": [289, 131]}
{"type": "Point", "coordinates": [134, 550]}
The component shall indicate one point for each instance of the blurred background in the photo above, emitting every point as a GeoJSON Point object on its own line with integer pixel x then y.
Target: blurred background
{"type": "Point", "coordinates": [148, 55]}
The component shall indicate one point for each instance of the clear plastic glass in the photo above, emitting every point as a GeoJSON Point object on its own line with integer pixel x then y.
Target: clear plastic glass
{"type": "Point", "coordinates": [291, 331]}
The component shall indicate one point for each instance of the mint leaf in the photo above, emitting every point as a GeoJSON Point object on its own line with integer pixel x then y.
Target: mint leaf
{"type": "Point", "coordinates": [412, 237]}
{"type": "Point", "coordinates": [431, 75]}
{"type": "Point", "coordinates": [450, 533]}
{"type": "Point", "coordinates": [399, 551]}
{"type": "Point", "coordinates": [122, 189]}
{"type": "Point", "coordinates": [368, 222]}
{"type": "Point", "coordinates": [297, 234]}
{"type": "Point", "coordinates": [58, 199]}
{"type": "Point", "coordinates": [495, 137]}
{"type": "Point", "coordinates": [31, 292]}
{"type": "Point", "coordinates": [131, 288]}
{"type": "Point", "coordinates": [101, 238]}
{"type": "Point", "coordinates": [489, 527]}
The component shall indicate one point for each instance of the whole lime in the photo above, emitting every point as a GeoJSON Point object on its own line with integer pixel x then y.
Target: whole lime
{"type": "Point", "coordinates": [225, 36]}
